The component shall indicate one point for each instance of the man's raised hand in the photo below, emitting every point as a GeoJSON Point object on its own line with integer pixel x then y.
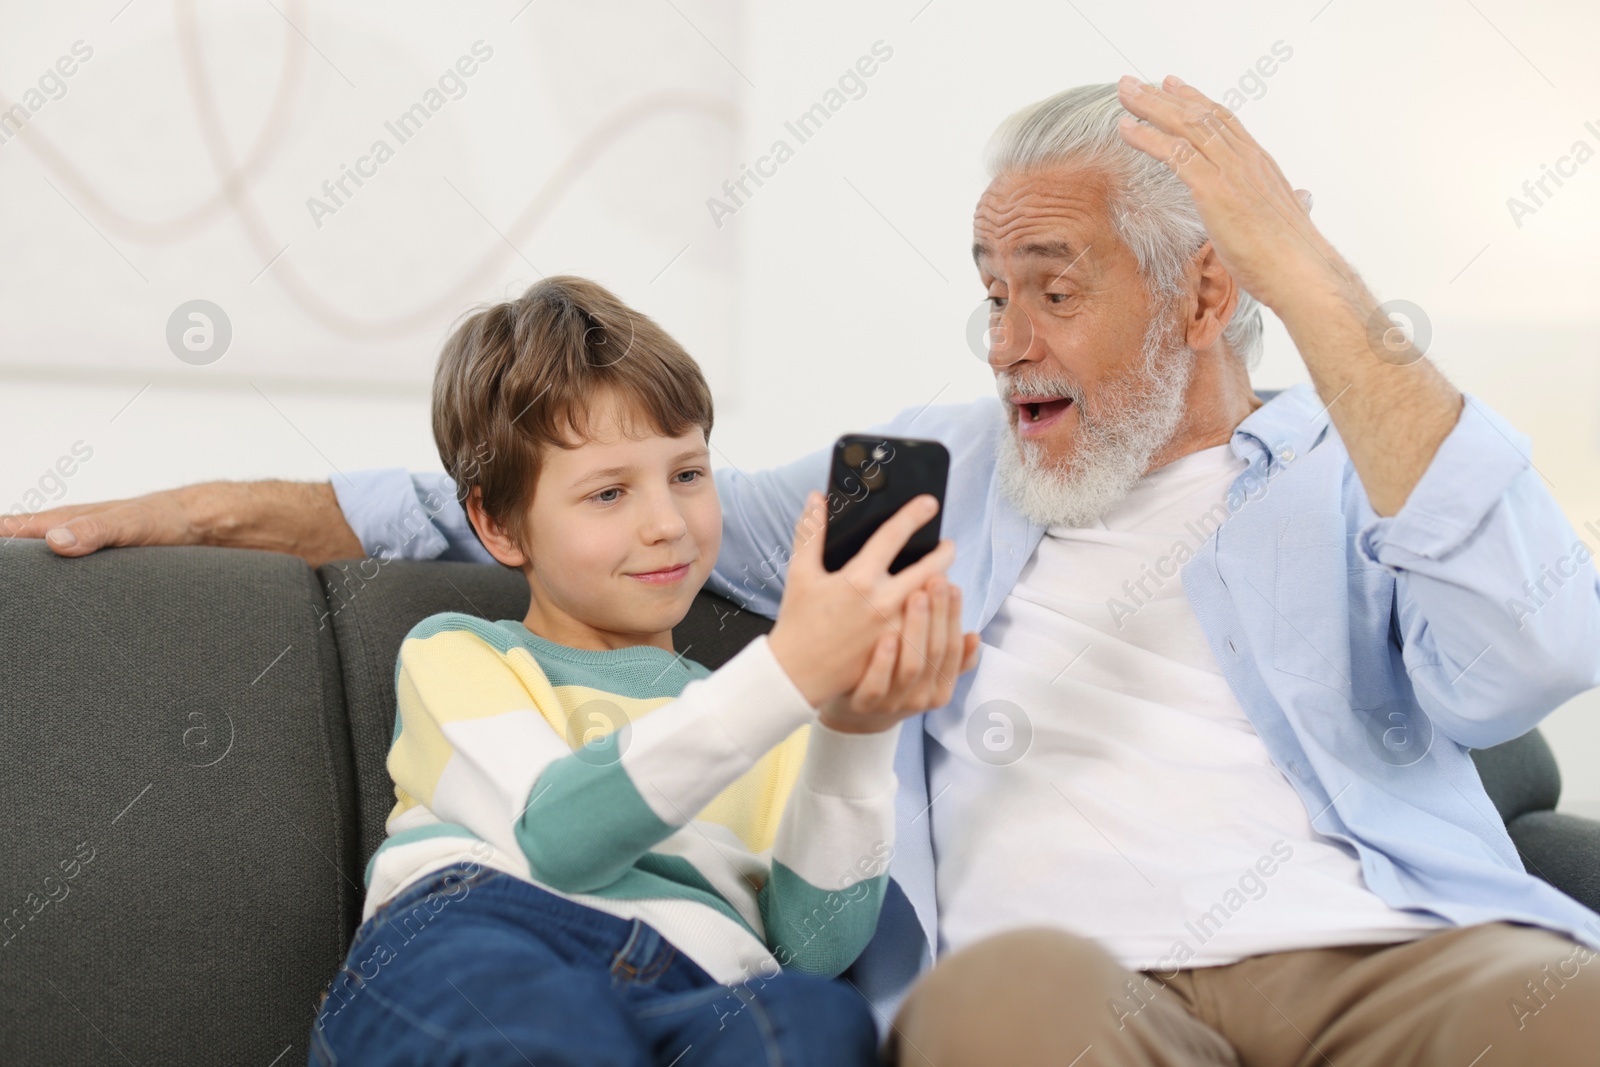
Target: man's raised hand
{"type": "Point", "coordinates": [1259, 224]}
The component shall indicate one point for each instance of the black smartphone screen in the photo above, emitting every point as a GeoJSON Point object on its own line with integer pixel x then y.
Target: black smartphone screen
{"type": "Point", "coordinates": [871, 479]}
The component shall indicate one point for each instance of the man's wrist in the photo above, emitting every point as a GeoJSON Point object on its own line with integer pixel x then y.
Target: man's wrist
{"type": "Point", "coordinates": [1322, 285]}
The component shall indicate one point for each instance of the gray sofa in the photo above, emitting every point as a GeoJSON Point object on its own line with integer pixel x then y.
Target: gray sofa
{"type": "Point", "coordinates": [192, 779]}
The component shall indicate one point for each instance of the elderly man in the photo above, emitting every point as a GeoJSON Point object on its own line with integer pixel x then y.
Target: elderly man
{"type": "Point", "coordinates": [1207, 797]}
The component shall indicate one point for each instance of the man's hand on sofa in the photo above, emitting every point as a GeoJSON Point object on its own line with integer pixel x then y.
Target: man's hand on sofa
{"type": "Point", "coordinates": [297, 518]}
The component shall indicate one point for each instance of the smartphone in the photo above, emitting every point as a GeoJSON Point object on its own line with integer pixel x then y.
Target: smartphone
{"type": "Point", "coordinates": [871, 479]}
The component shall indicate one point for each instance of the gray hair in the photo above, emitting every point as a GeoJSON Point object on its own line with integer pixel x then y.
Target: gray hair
{"type": "Point", "coordinates": [1151, 209]}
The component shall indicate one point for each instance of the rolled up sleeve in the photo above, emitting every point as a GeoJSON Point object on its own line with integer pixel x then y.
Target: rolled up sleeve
{"type": "Point", "coordinates": [1471, 475]}
{"type": "Point", "coordinates": [399, 514]}
{"type": "Point", "coordinates": [1497, 602]}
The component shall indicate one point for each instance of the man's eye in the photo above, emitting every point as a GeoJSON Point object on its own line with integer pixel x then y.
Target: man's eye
{"type": "Point", "coordinates": [997, 302]}
{"type": "Point", "coordinates": [601, 497]}
{"type": "Point", "coordinates": [1058, 298]}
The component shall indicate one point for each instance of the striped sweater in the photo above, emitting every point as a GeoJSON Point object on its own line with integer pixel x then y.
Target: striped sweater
{"type": "Point", "coordinates": [711, 806]}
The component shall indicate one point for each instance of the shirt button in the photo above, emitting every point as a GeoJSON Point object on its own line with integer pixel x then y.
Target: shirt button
{"type": "Point", "coordinates": [1287, 455]}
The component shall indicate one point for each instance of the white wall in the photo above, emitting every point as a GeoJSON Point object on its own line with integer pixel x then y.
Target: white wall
{"type": "Point", "coordinates": [554, 155]}
{"type": "Point", "coordinates": [837, 294]}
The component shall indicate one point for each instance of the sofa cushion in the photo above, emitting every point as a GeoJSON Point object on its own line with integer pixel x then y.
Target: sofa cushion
{"type": "Point", "coordinates": [176, 776]}
{"type": "Point", "coordinates": [1562, 849]}
{"type": "Point", "coordinates": [1519, 775]}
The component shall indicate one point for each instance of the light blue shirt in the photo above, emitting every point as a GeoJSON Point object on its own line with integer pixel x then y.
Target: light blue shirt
{"type": "Point", "coordinates": [1371, 654]}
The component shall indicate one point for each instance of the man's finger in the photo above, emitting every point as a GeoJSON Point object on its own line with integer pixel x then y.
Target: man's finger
{"type": "Point", "coordinates": [38, 523]}
{"type": "Point", "coordinates": [74, 539]}
{"type": "Point", "coordinates": [77, 537]}
{"type": "Point", "coordinates": [1181, 108]}
{"type": "Point", "coordinates": [1216, 115]}
{"type": "Point", "coordinates": [1179, 155]}
{"type": "Point", "coordinates": [887, 540]}
{"type": "Point", "coordinates": [101, 527]}
{"type": "Point", "coordinates": [1196, 122]}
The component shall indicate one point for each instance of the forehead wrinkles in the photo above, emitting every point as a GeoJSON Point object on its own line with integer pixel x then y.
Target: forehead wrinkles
{"type": "Point", "coordinates": [1056, 204]}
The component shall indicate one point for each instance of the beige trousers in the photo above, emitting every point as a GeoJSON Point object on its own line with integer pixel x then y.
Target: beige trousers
{"type": "Point", "coordinates": [1491, 995]}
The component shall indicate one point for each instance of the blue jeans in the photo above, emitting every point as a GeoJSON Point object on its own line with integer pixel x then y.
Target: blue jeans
{"type": "Point", "coordinates": [473, 966]}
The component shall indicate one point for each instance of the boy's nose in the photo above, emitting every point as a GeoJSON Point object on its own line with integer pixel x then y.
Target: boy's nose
{"type": "Point", "coordinates": [666, 523]}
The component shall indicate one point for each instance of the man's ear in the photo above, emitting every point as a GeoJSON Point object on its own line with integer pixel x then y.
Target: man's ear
{"type": "Point", "coordinates": [491, 533]}
{"type": "Point", "coordinates": [1216, 295]}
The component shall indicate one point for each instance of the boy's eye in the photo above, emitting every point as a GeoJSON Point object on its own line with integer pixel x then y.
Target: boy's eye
{"type": "Point", "coordinates": [602, 498]}
{"type": "Point", "coordinates": [687, 477]}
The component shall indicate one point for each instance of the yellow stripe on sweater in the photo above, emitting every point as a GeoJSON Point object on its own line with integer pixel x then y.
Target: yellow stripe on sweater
{"type": "Point", "coordinates": [753, 804]}
{"type": "Point", "coordinates": [482, 682]}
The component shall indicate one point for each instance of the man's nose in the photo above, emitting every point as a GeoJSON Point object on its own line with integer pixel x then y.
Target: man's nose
{"type": "Point", "coordinates": [1011, 336]}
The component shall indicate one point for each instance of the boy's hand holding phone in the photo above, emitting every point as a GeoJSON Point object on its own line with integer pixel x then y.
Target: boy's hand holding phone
{"type": "Point", "coordinates": [849, 633]}
{"type": "Point", "coordinates": [912, 671]}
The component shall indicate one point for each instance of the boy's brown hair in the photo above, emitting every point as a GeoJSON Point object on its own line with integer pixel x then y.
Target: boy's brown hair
{"type": "Point", "coordinates": [523, 374]}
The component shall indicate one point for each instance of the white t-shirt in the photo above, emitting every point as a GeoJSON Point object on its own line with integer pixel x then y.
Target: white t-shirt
{"type": "Point", "coordinates": [1101, 776]}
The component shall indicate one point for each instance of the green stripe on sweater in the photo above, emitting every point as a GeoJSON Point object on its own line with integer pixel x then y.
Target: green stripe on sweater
{"type": "Point", "coordinates": [640, 671]}
{"type": "Point", "coordinates": [818, 931]}
{"type": "Point", "coordinates": [417, 833]}
{"type": "Point", "coordinates": [585, 823]}
{"type": "Point", "coordinates": [659, 877]}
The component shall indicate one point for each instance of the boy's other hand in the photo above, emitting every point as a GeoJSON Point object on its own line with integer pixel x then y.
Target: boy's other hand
{"type": "Point", "coordinates": [912, 672]}
{"type": "Point", "coordinates": [829, 623]}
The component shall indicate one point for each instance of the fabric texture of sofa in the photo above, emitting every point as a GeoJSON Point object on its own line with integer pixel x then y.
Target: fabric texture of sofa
{"type": "Point", "coordinates": [192, 780]}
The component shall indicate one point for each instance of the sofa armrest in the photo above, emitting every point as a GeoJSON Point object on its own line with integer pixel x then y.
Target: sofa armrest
{"type": "Point", "coordinates": [1562, 849]}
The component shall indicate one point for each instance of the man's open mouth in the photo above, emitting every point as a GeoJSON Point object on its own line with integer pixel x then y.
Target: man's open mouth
{"type": "Point", "coordinates": [1035, 413]}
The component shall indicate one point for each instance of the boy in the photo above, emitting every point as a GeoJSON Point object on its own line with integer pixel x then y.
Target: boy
{"type": "Point", "coordinates": [600, 851]}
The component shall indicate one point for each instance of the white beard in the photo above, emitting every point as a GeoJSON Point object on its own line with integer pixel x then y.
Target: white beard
{"type": "Point", "coordinates": [1132, 420]}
